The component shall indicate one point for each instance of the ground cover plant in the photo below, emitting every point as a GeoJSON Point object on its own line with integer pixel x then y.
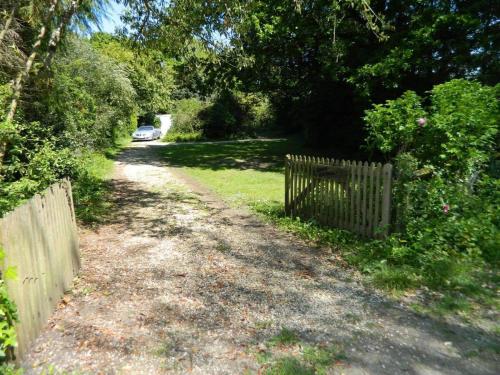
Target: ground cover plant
{"type": "Point", "coordinates": [286, 354]}
{"type": "Point", "coordinates": [8, 319]}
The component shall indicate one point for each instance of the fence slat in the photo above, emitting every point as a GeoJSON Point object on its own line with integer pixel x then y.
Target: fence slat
{"type": "Point", "coordinates": [287, 184]}
{"type": "Point", "coordinates": [386, 198]}
{"type": "Point", "coordinates": [310, 185]}
{"type": "Point", "coordinates": [352, 179]}
{"type": "Point", "coordinates": [40, 239]}
{"type": "Point", "coordinates": [294, 187]}
{"type": "Point", "coordinates": [345, 194]}
{"type": "Point", "coordinates": [331, 198]}
{"type": "Point", "coordinates": [364, 198]}
{"type": "Point", "coordinates": [378, 200]}
{"type": "Point", "coordinates": [369, 230]}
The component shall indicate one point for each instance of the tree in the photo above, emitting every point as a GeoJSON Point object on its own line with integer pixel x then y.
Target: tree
{"type": "Point", "coordinates": [50, 22]}
{"type": "Point", "coordinates": [149, 70]}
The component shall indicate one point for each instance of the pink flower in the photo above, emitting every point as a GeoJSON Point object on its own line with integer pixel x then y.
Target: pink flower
{"type": "Point", "coordinates": [446, 208]}
{"type": "Point", "coordinates": [422, 121]}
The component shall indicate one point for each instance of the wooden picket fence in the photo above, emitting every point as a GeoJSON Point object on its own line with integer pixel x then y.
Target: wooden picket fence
{"type": "Point", "coordinates": [345, 194]}
{"type": "Point", "coordinates": [40, 241]}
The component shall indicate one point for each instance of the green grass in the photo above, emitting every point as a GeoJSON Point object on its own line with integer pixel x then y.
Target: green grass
{"type": "Point", "coordinates": [289, 366]}
{"type": "Point", "coordinates": [283, 338]}
{"type": "Point", "coordinates": [92, 189]}
{"type": "Point", "coordinates": [240, 172]}
{"type": "Point", "coordinates": [306, 358]}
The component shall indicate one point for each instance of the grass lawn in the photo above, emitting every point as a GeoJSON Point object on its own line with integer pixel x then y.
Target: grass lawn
{"type": "Point", "coordinates": [243, 173]}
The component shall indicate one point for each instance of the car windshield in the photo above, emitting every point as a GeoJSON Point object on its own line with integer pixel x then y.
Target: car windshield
{"type": "Point", "coordinates": [144, 128]}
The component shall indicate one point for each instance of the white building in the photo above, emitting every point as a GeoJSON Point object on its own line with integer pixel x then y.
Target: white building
{"type": "Point", "coordinates": [166, 123]}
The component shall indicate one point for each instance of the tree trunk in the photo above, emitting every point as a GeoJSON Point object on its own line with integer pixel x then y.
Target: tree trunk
{"type": "Point", "coordinates": [17, 86]}
{"type": "Point", "coordinates": [8, 22]}
{"type": "Point", "coordinates": [57, 33]}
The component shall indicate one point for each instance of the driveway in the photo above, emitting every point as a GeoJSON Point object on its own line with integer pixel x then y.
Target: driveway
{"type": "Point", "coordinates": [177, 282]}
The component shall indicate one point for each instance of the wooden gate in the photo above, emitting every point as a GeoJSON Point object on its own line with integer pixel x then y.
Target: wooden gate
{"type": "Point", "coordinates": [345, 194]}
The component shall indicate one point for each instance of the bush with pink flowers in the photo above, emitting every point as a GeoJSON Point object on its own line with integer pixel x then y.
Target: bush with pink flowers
{"type": "Point", "coordinates": [446, 212]}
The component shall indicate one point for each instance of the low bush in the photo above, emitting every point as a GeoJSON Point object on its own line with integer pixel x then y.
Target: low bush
{"type": "Point", "coordinates": [183, 137]}
{"type": "Point", "coordinates": [228, 115]}
{"type": "Point", "coordinates": [186, 116]}
{"type": "Point", "coordinates": [235, 114]}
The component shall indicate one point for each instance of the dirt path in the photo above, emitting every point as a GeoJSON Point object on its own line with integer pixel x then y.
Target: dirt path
{"type": "Point", "coordinates": [179, 283]}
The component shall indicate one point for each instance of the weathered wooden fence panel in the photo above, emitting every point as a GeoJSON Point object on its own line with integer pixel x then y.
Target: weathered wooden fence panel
{"type": "Point", "coordinates": [40, 240]}
{"type": "Point", "coordinates": [346, 194]}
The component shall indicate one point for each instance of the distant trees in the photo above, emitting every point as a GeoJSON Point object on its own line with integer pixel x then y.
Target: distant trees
{"type": "Point", "coordinates": [150, 71]}
{"type": "Point", "coordinates": [323, 62]}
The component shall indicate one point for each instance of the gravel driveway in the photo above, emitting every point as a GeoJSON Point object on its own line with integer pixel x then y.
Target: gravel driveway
{"type": "Point", "coordinates": [177, 282]}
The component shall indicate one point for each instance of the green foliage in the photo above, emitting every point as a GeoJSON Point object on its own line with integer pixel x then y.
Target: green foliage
{"type": "Point", "coordinates": [322, 62]}
{"type": "Point", "coordinates": [8, 317]}
{"type": "Point", "coordinates": [234, 114]}
{"type": "Point", "coordinates": [446, 210]}
{"type": "Point", "coordinates": [91, 188]}
{"type": "Point", "coordinates": [430, 43]}
{"type": "Point", "coordinates": [149, 71]}
{"type": "Point", "coordinates": [186, 116]}
{"type": "Point", "coordinates": [88, 109]}
{"type": "Point", "coordinates": [92, 100]}
{"type": "Point", "coordinates": [230, 114]}
{"type": "Point", "coordinates": [10, 369]}
{"type": "Point", "coordinates": [183, 137]}
{"type": "Point", "coordinates": [455, 135]}
{"type": "Point", "coordinates": [33, 163]}
{"type": "Point", "coordinates": [395, 124]}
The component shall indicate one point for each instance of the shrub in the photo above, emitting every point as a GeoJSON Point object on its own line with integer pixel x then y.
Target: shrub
{"type": "Point", "coordinates": [183, 137]}
{"type": "Point", "coordinates": [230, 114]}
{"type": "Point", "coordinates": [234, 114]}
{"type": "Point", "coordinates": [446, 205]}
{"type": "Point", "coordinates": [186, 116]}
{"type": "Point", "coordinates": [455, 134]}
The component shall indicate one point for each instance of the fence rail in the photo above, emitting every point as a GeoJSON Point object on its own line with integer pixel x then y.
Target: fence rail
{"type": "Point", "coordinates": [346, 194]}
{"type": "Point", "coordinates": [40, 240]}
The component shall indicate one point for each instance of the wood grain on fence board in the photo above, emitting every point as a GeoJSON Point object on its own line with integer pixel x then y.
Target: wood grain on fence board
{"type": "Point", "coordinates": [345, 194]}
{"type": "Point", "coordinates": [40, 240]}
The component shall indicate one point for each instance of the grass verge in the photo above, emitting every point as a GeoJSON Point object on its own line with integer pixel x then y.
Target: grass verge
{"type": "Point", "coordinates": [241, 172]}
{"type": "Point", "coordinates": [91, 188]}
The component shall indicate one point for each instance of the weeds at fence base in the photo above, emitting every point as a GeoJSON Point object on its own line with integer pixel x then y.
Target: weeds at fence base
{"type": "Point", "coordinates": [461, 286]}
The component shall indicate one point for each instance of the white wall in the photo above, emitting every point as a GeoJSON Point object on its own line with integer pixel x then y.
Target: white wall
{"type": "Point", "coordinates": [166, 123]}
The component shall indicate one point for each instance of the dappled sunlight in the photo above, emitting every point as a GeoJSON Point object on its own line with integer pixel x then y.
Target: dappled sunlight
{"type": "Point", "coordinates": [265, 155]}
